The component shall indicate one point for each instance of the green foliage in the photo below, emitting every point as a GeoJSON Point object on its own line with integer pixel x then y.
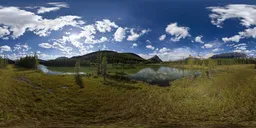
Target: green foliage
{"type": "Point", "coordinates": [28, 62]}
{"type": "Point", "coordinates": [213, 62]}
{"type": "Point", "coordinates": [65, 62]}
{"type": "Point", "coordinates": [3, 62]}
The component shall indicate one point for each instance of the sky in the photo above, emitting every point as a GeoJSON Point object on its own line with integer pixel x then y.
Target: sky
{"type": "Point", "coordinates": [171, 29]}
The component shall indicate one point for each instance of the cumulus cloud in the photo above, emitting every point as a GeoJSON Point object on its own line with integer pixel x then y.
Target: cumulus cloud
{"type": "Point", "coordinates": [162, 37]}
{"type": "Point", "coordinates": [164, 49]}
{"type": "Point", "coordinates": [235, 38]}
{"type": "Point", "coordinates": [245, 13]}
{"type": "Point", "coordinates": [177, 31]}
{"type": "Point", "coordinates": [4, 32]}
{"type": "Point", "coordinates": [134, 36]}
{"type": "Point", "coordinates": [45, 45]}
{"type": "Point", "coordinates": [105, 25]}
{"type": "Point", "coordinates": [5, 48]}
{"type": "Point", "coordinates": [150, 47]}
{"type": "Point", "coordinates": [171, 54]}
{"type": "Point", "coordinates": [199, 39]}
{"type": "Point", "coordinates": [207, 46]}
{"type": "Point", "coordinates": [19, 21]}
{"type": "Point", "coordinates": [247, 33]}
{"type": "Point", "coordinates": [119, 35]}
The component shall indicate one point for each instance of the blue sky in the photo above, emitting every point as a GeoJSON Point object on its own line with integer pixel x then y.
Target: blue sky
{"type": "Point", "coordinates": [170, 29]}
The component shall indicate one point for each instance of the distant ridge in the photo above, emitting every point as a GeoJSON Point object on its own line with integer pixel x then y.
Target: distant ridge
{"type": "Point", "coordinates": [155, 59]}
{"type": "Point", "coordinates": [231, 55]}
{"type": "Point", "coordinates": [112, 58]}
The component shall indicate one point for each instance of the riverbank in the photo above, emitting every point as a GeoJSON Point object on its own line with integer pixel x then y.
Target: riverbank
{"type": "Point", "coordinates": [31, 99]}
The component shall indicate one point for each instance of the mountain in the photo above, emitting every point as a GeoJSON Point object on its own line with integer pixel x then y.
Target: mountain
{"type": "Point", "coordinates": [112, 57]}
{"type": "Point", "coordinates": [229, 55]}
{"type": "Point", "coordinates": [61, 58]}
{"type": "Point", "coordinates": [91, 58]}
{"type": "Point", "coordinates": [155, 59]}
{"type": "Point", "coordinates": [191, 58]}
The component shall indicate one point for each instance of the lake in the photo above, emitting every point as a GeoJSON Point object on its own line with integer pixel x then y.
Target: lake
{"type": "Point", "coordinates": [161, 76]}
{"type": "Point", "coordinates": [45, 70]}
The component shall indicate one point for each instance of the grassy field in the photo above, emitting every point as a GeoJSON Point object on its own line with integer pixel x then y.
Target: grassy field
{"type": "Point", "coordinates": [32, 99]}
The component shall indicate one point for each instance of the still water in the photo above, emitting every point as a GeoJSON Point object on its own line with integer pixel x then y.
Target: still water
{"type": "Point", "coordinates": [161, 76]}
{"type": "Point", "coordinates": [45, 70]}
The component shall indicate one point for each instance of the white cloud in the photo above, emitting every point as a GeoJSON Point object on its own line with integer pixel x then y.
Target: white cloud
{"type": "Point", "coordinates": [150, 47]}
{"type": "Point", "coordinates": [247, 33]}
{"type": "Point", "coordinates": [250, 32]}
{"type": "Point", "coordinates": [207, 46]}
{"type": "Point", "coordinates": [101, 40]}
{"type": "Point", "coordinates": [134, 45]}
{"type": "Point", "coordinates": [105, 25]}
{"type": "Point", "coordinates": [5, 48]}
{"type": "Point", "coordinates": [57, 6]}
{"type": "Point", "coordinates": [119, 35]}
{"type": "Point", "coordinates": [21, 47]}
{"type": "Point", "coordinates": [245, 13]}
{"type": "Point", "coordinates": [45, 45]}
{"type": "Point", "coordinates": [134, 36]}
{"type": "Point", "coordinates": [162, 37]}
{"type": "Point", "coordinates": [235, 38]}
{"type": "Point", "coordinates": [199, 39]}
{"type": "Point", "coordinates": [47, 9]}
{"type": "Point", "coordinates": [64, 49]}
{"type": "Point", "coordinates": [4, 31]}
{"type": "Point", "coordinates": [164, 49]}
{"type": "Point", "coordinates": [171, 54]}
{"type": "Point", "coordinates": [177, 32]}
{"type": "Point", "coordinates": [45, 26]}
{"type": "Point", "coordinates": [19, 21]}
{"type": "Point", "coordinates": [217, 50]}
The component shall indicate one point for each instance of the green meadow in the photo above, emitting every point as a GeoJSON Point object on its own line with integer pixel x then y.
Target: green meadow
{"type": "Point", "coordinates": [30, 98]}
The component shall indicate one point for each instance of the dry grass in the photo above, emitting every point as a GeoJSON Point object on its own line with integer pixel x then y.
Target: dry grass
{"type": "Point", "coordinates": [31, 98]}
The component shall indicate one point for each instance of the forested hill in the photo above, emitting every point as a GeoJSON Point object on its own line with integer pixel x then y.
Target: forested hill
{"type": "Point", "coordinates": [91, 58]}
{"type": "Point", "coordinates": [229, 56]}
{"type": "Point", "coordinates": [113, 57]}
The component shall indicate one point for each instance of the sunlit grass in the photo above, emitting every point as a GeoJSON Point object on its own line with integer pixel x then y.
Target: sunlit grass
{"type": "Point", "coordinates": [31, 98]}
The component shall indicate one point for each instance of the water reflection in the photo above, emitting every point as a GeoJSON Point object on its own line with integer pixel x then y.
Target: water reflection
{"type": "Point", "coordinates": [162, 76]}
{"type": "Point", "coordinates": [45, 70]}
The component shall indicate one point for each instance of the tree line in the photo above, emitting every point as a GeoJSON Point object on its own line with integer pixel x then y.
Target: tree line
{"type": "Point", "coordinates": [28, 62]}
{"type": "Point", "coordinates": [3, 62]}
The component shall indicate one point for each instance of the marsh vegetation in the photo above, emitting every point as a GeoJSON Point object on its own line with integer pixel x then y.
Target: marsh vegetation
{"type": "Point", "coordinates": [222, 95]}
